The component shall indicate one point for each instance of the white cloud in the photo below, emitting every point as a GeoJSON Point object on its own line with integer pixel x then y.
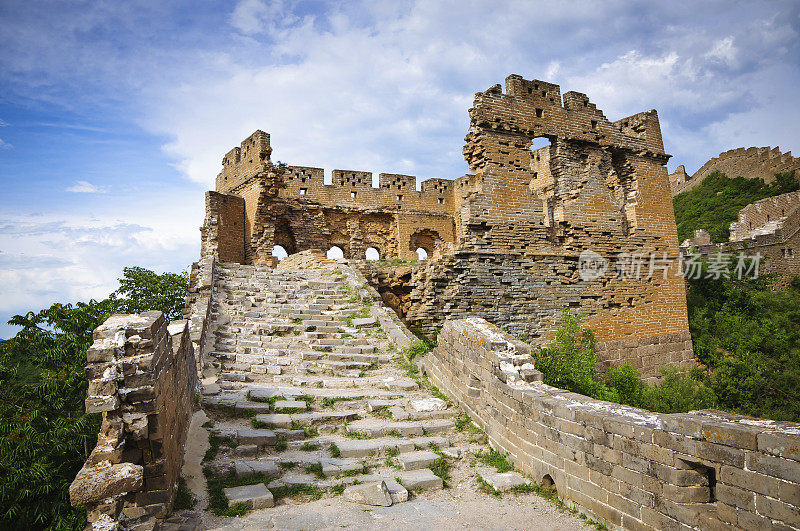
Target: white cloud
{"type": "Point", "coordinates": [68, 258]}
{"type": "Point", "coordinates": [85, 187]}
{"type": "Point", "coordinates": [256, 16]}
{"type": "Point", "coordinates": [5, 145]}
{"type": "Point", "coordinates": [351, 93]}
{"type": "Point", "coordinates": [723, 50]}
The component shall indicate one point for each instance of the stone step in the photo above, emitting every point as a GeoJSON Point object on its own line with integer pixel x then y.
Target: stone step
{"type": "Point", "coordinates": [420, 479]}
{"type": "Point", "coordinates": [253, 496]}
{"type": "Point", "coordinates": [250, 467]}
{"type": "Point", "coordinates": [377, 428]}
{"type": "Point", "coordinates": [417, 460]}
{"type": "Point", "coordinates": [331, 466]}
{"type": "Point", "coordinates": [334, 364]}
{"type": "Point", "coordinates": [336, 356]}
{"type": "Point", "coordinates": [371, 447]}
{"type": "Point", "coordinates": [236, 402]}
{"type": "Point", "coordinates": [264, 392]}
{"type": "Point", "coordinates": [259, 437]}
{"type": "Point", "coordinates": [285, 420]}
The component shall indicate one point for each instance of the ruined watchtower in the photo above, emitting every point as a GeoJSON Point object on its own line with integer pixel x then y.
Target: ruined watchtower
{"type": "Point", "coordinates": [504, 241]}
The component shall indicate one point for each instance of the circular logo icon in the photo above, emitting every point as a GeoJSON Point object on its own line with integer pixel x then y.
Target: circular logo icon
{"type": "Point", "coordinates": [591, 265]}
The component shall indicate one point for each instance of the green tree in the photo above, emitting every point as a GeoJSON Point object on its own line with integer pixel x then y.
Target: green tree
{"type": "Point", "coordinates": [748, 335]}
{"type": "Point", "coordinates": [141, 290]}
{"type": "Point", "coordinates": [45, 436]}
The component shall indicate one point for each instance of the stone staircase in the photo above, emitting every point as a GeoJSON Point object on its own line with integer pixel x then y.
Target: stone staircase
{"type": "Point", "coordinates": [304, 389]}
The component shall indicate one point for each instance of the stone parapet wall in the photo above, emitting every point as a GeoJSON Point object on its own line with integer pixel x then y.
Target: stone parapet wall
{"type": "Point", "coordinates": [143, 379]}
{"type": "Point", "coordinates": [751, 163]}
{"type": "Point", "coordinates": [198, 306]}
{"type": "Point", "coordinates": [759, 217]}
{"type": "Point", "coordinates": [630, 468]}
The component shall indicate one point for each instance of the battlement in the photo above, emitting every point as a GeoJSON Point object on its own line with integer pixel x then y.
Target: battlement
{"type": "Point", "coordinates": [533, 108]}
{"type": "Point", "coordinates": [245, 161]}
{"type": "Point", "coordinates": [353, 189]}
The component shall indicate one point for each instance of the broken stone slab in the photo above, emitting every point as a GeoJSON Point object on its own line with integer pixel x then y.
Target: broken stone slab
{"type": "Point", "coordinates": [211, 389]}
{"type": "Point", "coordinates": [417, 460]}
{"type": "Point", "coordinates": [452, 452]}
{"type": "Point", "coordinates": [99, 482]}
{"type": "Point", "coordinates": [399, 413]}
{"type": "Point", "coordinates": [505, 481]}
{"type": "Point", "coordinates": [369, 494]}
{"type": "Point", "coordinates": [253, 496]}
{"type": "Point", "coordinates": [429, 404]}
{"type": "Point", "coordinates": [259, 437]}
{"type": "Point", "coordinates": [291, 404]}
{"type": "Point", "coordinates": [420, 479]}
{"type": "Point", "coordinates": [364, 322]}
{"type": "Point", "coordinates": [398, 492]}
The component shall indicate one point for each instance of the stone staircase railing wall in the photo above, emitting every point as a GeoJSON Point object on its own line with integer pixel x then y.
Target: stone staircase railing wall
{"type": "Point", "coordinates": [143, 379]}
{"type": "Point", "coordinates": [628, 467]}
{"type": "Point", "coordinates": [199, 305]}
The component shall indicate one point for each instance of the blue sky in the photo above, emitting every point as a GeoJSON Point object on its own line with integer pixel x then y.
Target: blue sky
{"type": "Point", "coordinates": [114, 116]}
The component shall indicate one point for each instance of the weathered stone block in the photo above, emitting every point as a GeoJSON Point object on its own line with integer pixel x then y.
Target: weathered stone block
{"type": "Point", "coordinates": [100, 482]}
{"type": "Point", "coordinates": [369, 494]}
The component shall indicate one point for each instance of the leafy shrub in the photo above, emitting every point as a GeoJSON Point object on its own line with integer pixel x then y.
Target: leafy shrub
{"type": "Point", "coordinates": [569, 361]}
{"type": "Point", "coordinates": [748, 336]}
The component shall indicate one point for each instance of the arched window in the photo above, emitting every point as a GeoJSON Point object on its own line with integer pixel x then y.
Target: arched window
{"type": "Point", "coordinates": [335, 253]}
{"type": "Point", "coordinates": [422, 254]}
{"type": "Point", "coordinates": [372, 254]}
{"type": "Point", "coordinates": [279, 252]}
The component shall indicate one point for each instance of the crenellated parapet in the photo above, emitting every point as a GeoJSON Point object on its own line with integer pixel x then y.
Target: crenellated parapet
{"type": "Point", "coordinates": [353, 189]}
{"type": "Point", "coordinates": [244, 162]}
{"type": "Point", "coordinates": [533, 108]}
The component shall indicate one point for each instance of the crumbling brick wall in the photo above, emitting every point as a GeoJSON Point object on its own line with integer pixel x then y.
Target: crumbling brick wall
{"type": "Point", "coordinates": [524, 218]}
{"type": "Point", "coordinates": [143, 379]}
{"type": "Point", "coordinates": [628, 467]}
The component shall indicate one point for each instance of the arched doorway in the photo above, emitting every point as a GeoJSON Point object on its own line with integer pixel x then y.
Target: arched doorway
{"type": "Point", "coordinates": [279, 252]}
{"type": "Point", "coordinates": [335, 253]}
{"type": "Point", "coordinates": [372, 254]}
{"type": "Point", "coordinates": [422, 253]}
